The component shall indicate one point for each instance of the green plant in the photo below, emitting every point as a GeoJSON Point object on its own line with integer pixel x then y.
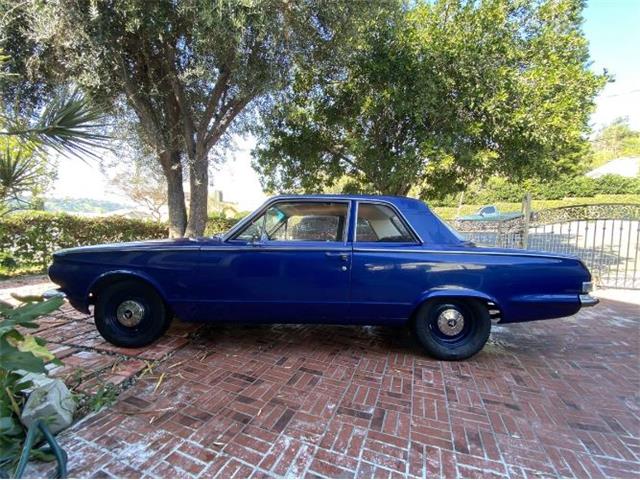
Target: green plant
{"type": "Point", "coordinates": [7, 261]}
{"type": "Point", "coordinates": [106, 395]}
{"type": "Point", "coordinates": [217, 224]}
{"type": "Point", "coordinates": [19, 353]}
{"type": "Point", "coordinates": [27, 239]}
{"type": "Point", "coordinates": [31, 237]}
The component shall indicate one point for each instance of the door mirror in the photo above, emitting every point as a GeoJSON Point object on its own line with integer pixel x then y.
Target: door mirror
{"type": "Point", "coordinates": [258, 239]}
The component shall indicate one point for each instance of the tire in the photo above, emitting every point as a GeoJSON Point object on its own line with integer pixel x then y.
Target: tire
{"type": "Point", "coordinates": [462, 339]}
{"type": "Point", "coordinates": [130, 314]}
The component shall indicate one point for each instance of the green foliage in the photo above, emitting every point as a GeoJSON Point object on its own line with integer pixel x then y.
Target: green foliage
{"type": "Point", "coordinates": [501, 189]}
{"type": "Point", "coordinates": [19, 351]}
{"type": "Point", "coordinates": [449, 212]}
{"type": "Point", "coordinates": [184, 73]}
{"type": "Point", "coordinates": [106, 395]}
{"type": "Point", "coordinates": [81, 205]}
{"type": "Point", "coordinates": [218, 224]}
{"type": "Point", "coordinates": [29, 238]}
{"type": "Point", "coordinates": [69, 124]}
{"type": "Point", "coordinates": [32, 237]}
{"type": "Point", "coordinates": [22, 170]}
{"type": "Point", "coordinates": [436, 95]}
{"type": "Point", "coordinates": [7, 261]}
{"type": "Point", "coordinates": [614, 141]}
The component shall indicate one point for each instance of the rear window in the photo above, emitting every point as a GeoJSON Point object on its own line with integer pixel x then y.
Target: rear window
{"type": "Point", "coordinates": [380, 223]}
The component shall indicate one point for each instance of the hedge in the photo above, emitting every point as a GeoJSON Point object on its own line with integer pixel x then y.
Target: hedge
{"type": "Point", "coordinates": [29, 238]}
{"type": "Point", "coordinates": [500, 189]}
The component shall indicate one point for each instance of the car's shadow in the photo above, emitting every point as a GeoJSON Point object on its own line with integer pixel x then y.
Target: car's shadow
{"type": "Point", "coordinates": [325, 341]}
{"type": "Point", "coordinates": [313, 337]}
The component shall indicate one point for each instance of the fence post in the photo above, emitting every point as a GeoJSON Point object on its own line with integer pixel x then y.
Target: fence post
{"type": "Point", "coordinates": [526, 211]}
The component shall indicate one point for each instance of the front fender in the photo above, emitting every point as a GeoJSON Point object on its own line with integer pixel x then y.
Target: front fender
{"type": "Point", "coordinates": [106, 277]}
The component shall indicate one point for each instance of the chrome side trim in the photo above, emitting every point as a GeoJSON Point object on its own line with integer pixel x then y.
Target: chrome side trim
{"type": "Point", "coordinates": [275, 248]}
{"type": "Point", "coordinates": [272, 201]}
{"type": "Point", "coordinates": [516, 253]}
{"type": "Point", "coordinates": [94, 249]}
{"type": "Point", "coordinates": [588, 301]}
{"type": "Point", "coordinates": [401, 216]}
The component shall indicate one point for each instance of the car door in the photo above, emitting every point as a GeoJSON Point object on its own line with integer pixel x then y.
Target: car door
{"type": "Point", "coordinates": [291, 263]}
{"type": "Point", "coordinates": [384, 270]}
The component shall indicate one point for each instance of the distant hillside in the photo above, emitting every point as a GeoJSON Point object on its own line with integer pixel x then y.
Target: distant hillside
{"type": "Point", "coordinates": [82, 205]}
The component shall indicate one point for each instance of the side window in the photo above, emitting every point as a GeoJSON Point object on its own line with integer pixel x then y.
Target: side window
{"type": "Point", "coordinates": [299, 221]}
{"type": "Point", "coordinates": [379, 223]}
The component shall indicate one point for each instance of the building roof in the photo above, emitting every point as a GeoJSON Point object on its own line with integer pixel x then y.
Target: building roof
{"type": "Point", "coordinates": [624, 166]}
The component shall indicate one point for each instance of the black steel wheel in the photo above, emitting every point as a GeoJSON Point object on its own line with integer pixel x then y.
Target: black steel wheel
{"type": "Point", "coordinates": [452, 328]}
{"type": "Point", "coordinates": [130, 313]}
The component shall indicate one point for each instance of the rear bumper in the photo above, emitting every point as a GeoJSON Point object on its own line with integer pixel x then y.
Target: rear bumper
{"type": "Point", "coordinates": [54, 292]}
{"type": "Point", "coordinates": [587, 300]}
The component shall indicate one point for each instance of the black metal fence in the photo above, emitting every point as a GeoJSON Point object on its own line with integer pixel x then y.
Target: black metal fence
{"type": "Point", "coordinates": [605, 237]}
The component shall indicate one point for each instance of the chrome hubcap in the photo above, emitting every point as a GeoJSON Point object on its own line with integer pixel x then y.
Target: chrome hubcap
{"type": "Point", "coordinates": [450, 322]}
{"type": "Point", "coordinates": [130, 313]}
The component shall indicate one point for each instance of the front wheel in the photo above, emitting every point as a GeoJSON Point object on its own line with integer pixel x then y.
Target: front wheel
{"type": "Point", "coordinates": [130, 314]}
{"type": "Point", "coordinates": [452, 329]}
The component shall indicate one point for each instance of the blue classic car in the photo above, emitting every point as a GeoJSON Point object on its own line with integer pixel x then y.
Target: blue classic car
{"type": "Point", "coordinates": [344, 259]}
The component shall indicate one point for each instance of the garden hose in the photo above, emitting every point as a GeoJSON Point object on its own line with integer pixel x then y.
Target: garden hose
{"type": "Point", "coordinates": [54, 448]}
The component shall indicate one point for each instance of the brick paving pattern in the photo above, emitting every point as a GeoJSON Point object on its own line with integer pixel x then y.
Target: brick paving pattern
{"type": "Point", "coordinates": [557, 398]}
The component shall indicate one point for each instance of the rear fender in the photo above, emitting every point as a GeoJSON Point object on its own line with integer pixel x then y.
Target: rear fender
{"type": "Point", "coordinates": [452, 292]}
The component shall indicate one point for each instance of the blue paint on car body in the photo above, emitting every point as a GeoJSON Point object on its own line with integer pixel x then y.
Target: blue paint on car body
{"type": "Point", "coordinates": [349, 281]}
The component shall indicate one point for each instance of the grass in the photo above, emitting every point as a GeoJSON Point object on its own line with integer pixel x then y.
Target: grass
{"type": "Point", "coordinates": [449, 213]}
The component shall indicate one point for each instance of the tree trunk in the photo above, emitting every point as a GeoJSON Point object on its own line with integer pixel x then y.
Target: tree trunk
{"type": "Point", "coordinates": [199, 184]}
{"type": "Point", "coordinates": [172, 169]}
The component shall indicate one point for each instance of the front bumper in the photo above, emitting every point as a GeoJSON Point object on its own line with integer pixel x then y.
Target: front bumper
{"type": "Point", "coordinates": [587, 300]}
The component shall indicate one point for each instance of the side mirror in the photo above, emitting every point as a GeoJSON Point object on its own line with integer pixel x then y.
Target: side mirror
{"type": "Point", "coordinates": [259, 239]}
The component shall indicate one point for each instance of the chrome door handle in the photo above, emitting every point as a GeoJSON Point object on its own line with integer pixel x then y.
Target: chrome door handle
{"type": "Point", "coordinates": [343, 256]}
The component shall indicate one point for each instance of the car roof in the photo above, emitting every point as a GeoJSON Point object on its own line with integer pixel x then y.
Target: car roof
{"type": "Point", "coordinates": [396, 200]}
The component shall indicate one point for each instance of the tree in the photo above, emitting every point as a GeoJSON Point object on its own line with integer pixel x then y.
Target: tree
{"type": "Point", "coordinates": [140, 178]}
{"type": "Point", "coordinates": [68, 125]}
{"type": "Point", "coordinates": [187, 69]}
{"type": "Point", "coordinates": [615, 140]}
{"type": "Point", "coordinates": [438, 95]}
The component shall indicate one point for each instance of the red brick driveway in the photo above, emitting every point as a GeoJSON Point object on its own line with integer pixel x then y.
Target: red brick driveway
{"type": "Point", "coordinates": [556, 398]}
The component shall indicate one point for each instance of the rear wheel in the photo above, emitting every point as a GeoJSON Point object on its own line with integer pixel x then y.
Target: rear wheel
{"type": "Point", "coordinates": [452, 329]}
{"type": "Point", "coordinates": [130, 314]}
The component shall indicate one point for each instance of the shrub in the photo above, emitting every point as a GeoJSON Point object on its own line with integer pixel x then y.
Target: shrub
{"type": "Point", "coordinates": [498, 189]}
{"type": "Point", "coordinates": [217, 224]}
{"type": "Point", "coordinates": [31, 237]}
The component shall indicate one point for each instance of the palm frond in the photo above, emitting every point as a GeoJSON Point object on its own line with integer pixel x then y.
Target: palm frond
{"type": "Point", "coordinates": [19, 171]}
{"type": "Point", "coordinates": [69, 124]}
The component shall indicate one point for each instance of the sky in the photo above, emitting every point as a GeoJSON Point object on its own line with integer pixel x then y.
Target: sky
{"type": "Point", "coordinates": [611, 26]}
{"type": "Point", "coordinates": [613, 30]}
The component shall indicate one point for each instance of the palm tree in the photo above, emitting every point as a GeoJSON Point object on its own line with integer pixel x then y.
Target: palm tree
{"type": "Point", "coordinates": [69, 125]}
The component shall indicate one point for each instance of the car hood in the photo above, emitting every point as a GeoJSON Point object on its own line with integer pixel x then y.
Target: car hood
{"type": "Point", "coordinates": [139, 245]}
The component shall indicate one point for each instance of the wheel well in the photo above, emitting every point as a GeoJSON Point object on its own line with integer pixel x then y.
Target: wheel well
{"type": "Point", "coordinates": [114, 278]}
{"type": "Point", "coordinates": [493, 308]}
